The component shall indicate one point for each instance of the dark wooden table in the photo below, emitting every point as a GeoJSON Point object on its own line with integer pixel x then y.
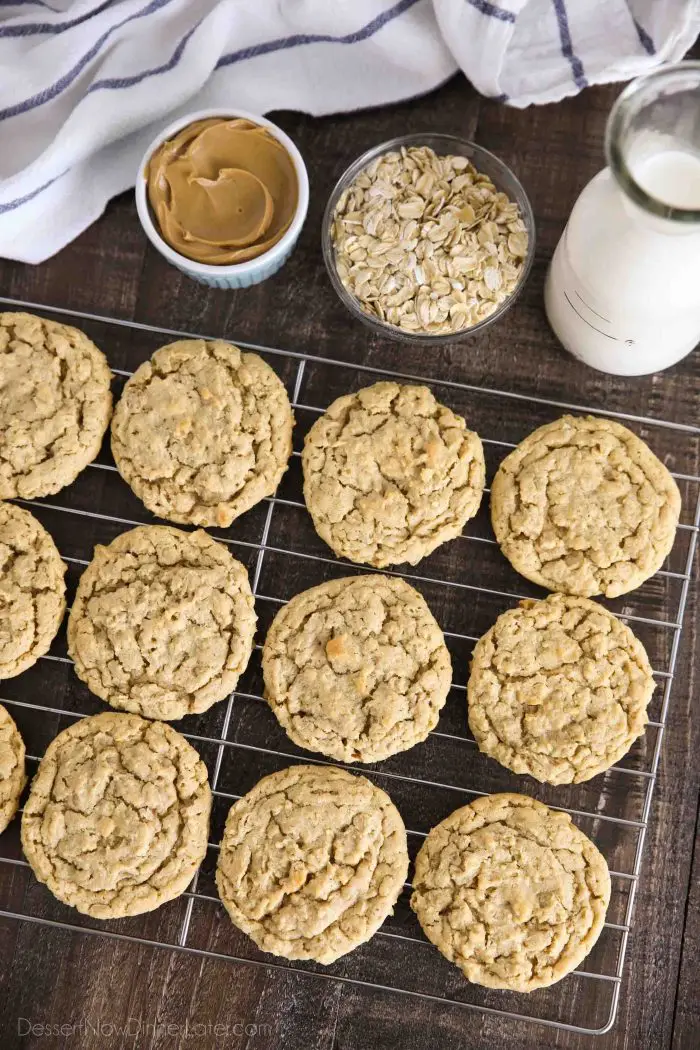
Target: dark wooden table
{"type": "Point", "coordinates": [49, 975]}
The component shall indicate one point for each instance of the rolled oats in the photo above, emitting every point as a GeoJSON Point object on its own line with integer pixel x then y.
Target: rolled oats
{"type": "Point", "coordinates": [427, 243]}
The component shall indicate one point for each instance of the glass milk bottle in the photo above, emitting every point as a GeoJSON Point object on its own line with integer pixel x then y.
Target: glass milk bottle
{"type": "Point", "coordinates": [623, 288]}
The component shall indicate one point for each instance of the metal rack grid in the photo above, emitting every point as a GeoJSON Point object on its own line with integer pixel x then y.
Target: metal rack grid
{"type": "Point", "coordinates": [669, 592]}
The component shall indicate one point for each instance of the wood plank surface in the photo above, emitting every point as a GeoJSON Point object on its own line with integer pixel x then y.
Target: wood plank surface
{"type": "Point", "coordinates": [120, 994]}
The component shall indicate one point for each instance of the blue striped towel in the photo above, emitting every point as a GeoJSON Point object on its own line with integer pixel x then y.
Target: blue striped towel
{"type": "Point", "coordinates": [86, 84]}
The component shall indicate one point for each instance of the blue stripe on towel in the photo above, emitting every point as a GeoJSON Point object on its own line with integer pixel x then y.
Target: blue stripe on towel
{"type": "Point", "coordinates": [491, 10]}
{"type": "Point", "coordinates": [299, 39]}
{"type": "Point", "coordinates": [226, 60]}
{"type": "Point", "coordinates": [67, 79]}
{"type": "Point", "coordinates": [644, 38]}
{"type": "Point", "coordinates": [115, 83]}
{"type": "Point", "coordinates": [30, 3]}
{"type": "Point", "coordinates": [11, 205]}
{"type": "Point", "coordinates": [566, 46]}
{"type": "Point", "coordinates": [35, 28]}
{"type": "Point", "coordinates": [120, 82]}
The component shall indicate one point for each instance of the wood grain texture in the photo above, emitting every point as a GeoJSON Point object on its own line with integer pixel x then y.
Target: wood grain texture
{"type": "Point", "coordinates": [53, 976]}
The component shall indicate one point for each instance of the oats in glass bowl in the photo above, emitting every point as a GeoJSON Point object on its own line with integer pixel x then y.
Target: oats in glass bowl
{"type": "Point", "coordinates": [425, 242]}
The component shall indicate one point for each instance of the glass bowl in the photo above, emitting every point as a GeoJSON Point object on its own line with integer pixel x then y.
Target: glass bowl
{"type": "Point", "coordinates": [502, 178]}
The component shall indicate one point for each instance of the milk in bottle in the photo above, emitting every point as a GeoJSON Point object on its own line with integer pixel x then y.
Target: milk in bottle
{"type": "Point", "coordinates": [623, 288]}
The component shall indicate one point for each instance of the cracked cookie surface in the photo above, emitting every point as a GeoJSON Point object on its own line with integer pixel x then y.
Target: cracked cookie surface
{"type": "Point", "coordinates": [55, 404]}
{"type": "Point", "coordinates": [558, 689]}
{"type": "Point", "coordinates": [583, 506]}
{"type": "Point", "coordinates": [390, 474]}
{"type": "Point", "coordinates": [312, 862]}
{"type": "Point", "coordinates": [202, 432]}
{"type": "Point", "coordinates": [162, 623]}
{"type": "Point", "coordinates": [12, 775]}
{"type": "Point", "coordinates": [32, 590]}
{"type": "Point", "coordinates": [117, 818]}
{"type": "Point", "coordinates": [511, 892]}
{"type": "Point", "coordinates": [357, 668]}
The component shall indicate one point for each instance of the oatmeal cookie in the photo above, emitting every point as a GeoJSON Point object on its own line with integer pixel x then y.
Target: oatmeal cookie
{"type": "Point", "coordinates": [357, 668]}
{"type": "Point", "coordinates": [12, 775]}
{"type": "Point", "coordinates": [390, 474]}
{"type": "Point", "coordinates": [117, 818]}
{"type": "Point", "coordinates": [583, 506]}
{"type": "Point", "coordinates": [202, 432]}
{"type": "Point", "coordinates": [312, 862]}
{"type": "Point", "coordinates": [511, 892]}
{"type": "Point", "coordinates": [162, 623]}
{"type": "Point", "coordinates": [32, 590]}
{"type": "Point", "coordinates": [558, 689]}
{"type": "Point", "coordinates": [55, 404]}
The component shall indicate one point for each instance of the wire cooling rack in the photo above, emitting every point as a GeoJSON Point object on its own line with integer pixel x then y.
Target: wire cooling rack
{"type": "Point", "coordinates": [468, 584]}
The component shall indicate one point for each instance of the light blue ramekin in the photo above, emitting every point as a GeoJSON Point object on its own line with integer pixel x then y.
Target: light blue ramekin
{"type": "Point", "coordinates": [238, 275]}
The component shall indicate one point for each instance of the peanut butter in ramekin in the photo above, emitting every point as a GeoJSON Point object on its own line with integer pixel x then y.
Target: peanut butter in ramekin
{"type": "Point", "coordinates": [222, 190]}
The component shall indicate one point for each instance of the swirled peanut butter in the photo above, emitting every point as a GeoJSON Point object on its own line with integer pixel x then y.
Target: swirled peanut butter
{"type": "Point", "coordinates": [223, 191]}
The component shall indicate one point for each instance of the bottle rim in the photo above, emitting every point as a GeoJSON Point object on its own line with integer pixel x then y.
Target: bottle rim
{"type": "Point", "coordinates": [622, 110]}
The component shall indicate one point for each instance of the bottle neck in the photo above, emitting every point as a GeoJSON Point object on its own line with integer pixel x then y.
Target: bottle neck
{"type": "Point", "coordinates": [645, 221]}
{"type": "Point", "coordinates": [652, 144]}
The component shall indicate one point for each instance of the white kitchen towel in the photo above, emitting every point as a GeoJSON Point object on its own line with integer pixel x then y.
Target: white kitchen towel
{"type": "Point", "coordinates": [85, 85]}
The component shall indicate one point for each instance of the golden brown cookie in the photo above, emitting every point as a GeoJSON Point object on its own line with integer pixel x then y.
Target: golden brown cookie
{"type": "Point", "coordinates": [558, 689]}
{"type": "Point", "coordinates": [55, 404]}
{"type": "Point", "coordinates": [202, 432]}
{"type": "Point", "coordinates": [312, 862]}
{"type": "Point", "coordinates": [32, 590]}
{"type": "Point", "coordinates": [357, 668]}
{"type": "Point", "coordinates": [12, 775]}
{"type": "Point", "coordinates": [117, 819]}
{"type": "Point", "coordinates": [583, 506]}
{"type": "Point", "coordinates": [162, 623]}
{"type": "Point", "coordinates": [511, 892]}
{"type": "Point", "coordinates": [390, 474]}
